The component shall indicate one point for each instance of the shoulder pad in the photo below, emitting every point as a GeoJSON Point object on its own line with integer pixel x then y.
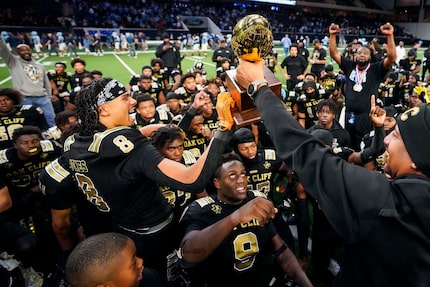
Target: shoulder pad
{"type": "Point", "coordinates": [204, 201]}
{"type": "Point", "coordinates": [180, 91]}
{"type": "Point", "coordinates": [26, 107]}
{"type": "Point", "coordinates": [69, 74]}
{"type": "Point", "coordinates": [39, 110]}
{"type": "Point", "coordinates": [154, 85]}
{"type": "Point", "coordinates": [56, 171]}
{"type": "Point", "coordinates": [51, 72]}
{"type": "Point", "coordinates": [46, 145]}
{"type": "Point", "coordinates": [164, 116]}
{"type": "Point", "coordinates": [188, 158]}
{"type": "Point", "coordinates": [162, 107]}
{"type": "Point", "coordinates": [52, 133]}
{"type": "Point", "coordinates": [3, 156]}
{"type": "Point", "coordinates": [269, 154]}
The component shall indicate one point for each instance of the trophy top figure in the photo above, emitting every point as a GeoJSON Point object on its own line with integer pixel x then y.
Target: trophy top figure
{"type": "Point", "coordinates": [252, 38]}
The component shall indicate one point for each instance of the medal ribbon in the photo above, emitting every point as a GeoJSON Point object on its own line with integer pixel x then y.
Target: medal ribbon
{"type": "Point", "coordinates": [359, 77]}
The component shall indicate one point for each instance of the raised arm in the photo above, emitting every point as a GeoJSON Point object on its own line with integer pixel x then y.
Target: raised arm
{"type": "Point", "coordinates": [202, 169]}
{"type": "Point", "coordinates": [388, 30]}
{"type": "Point", "coordinates": [334, 53]}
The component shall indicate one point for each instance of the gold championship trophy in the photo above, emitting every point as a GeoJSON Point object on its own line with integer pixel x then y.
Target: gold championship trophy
{"type": "Point", "coordinates": [252, 41]}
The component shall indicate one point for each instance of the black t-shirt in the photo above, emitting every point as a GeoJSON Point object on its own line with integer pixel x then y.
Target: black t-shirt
{"type": "Point", "coordinates": [317, 55]}
{"type": "Point", "coordinates": [359, 101]}
{"type": "Point", "coordinates": [294, 66]}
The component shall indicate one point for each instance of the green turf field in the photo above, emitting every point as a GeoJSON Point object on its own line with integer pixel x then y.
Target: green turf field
{"type": "Point", "coordinates": [121, 67]}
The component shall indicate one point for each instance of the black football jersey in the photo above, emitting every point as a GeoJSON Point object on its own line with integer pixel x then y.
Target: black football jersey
{"type": "Point", "coordinates": [116, 170]}
{"type": "Point", "coordinates": [242, 256]}
{"type": "Point", "coordinates": [211, 122]}
{"type": "Point", "coordinates": [179, 199]}
{"type": "Point", "coordinates": [61, 81]}
{"type": "Point", "coordinates": [160, 117]}
{"type": "Point", "coordinates": [261, 171]}
{"type": "Point", "coordinates": [196, 144]}
{"type": "Point", "coordinates": [24, 115]}
{"type": "Point", "coordinates": [22, 175]}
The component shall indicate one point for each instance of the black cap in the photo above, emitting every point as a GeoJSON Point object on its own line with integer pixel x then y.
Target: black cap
{"type": "Point", "coordinates": [173, 95]}
{"type": "Point", "coordinates": [307, 84]}
{"type": "Point", "coordinates": [165, 35]}
{"type": "Point", "coordinates": [242, 135]}
{"type": "Point", "coordinates": [414, 126]}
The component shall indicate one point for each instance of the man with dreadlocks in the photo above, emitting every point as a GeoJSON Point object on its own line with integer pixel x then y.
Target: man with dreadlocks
{"type": "Point", "coordinates": [119, 171]}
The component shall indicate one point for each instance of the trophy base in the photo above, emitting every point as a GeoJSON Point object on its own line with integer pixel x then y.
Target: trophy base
{"type": "Point", "coordinates": [245, 112]}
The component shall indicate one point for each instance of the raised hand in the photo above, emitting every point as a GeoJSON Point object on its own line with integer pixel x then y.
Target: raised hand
{"type": "Point", "coordinates": [224, 105]}
{"type": "Point", "coordinates": [377, 114]}
{"type": "Point", "coordinates": [333, 29]}
{"type": "Point", "coordinates": [387, 29]}
{"type": "Point", "coordinates": [248, 72]}
{"type": "Point", "coordinates": [259, 209]}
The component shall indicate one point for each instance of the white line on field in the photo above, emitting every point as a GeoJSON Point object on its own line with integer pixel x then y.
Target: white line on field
{"type": "Point", "coordinates": [195, 58]}
{"type": "Point", "coordinates": [125, 65]}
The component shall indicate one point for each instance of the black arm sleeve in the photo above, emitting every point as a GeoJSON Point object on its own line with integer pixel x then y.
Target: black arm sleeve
{"type": "Point", "coordinates": [376, 148]}
{"type": "Point", "coordinates": [187, 118]}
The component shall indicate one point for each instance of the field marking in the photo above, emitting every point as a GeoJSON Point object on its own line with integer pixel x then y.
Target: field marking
{"type": "Point", "coordinates": [125, 65]}
{"type": "Point", "coordinates": [196, 58]}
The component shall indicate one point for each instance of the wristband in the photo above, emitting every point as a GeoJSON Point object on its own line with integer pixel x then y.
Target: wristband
{"type": "Point", "coordinates": [280, 250]}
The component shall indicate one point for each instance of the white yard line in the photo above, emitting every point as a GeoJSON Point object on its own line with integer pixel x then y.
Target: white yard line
{"type": "Point", "coordinates": [125, 65]}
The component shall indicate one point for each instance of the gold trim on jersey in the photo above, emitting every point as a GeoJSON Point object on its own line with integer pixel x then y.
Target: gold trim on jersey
{"type": "Point", "coordinates": [68, 142]}
{"type": "Point", "coordinates": [98, 138]}
{"type": "Point", "coordinates": [259, 194]}
{"type": "Point", "coordinates": [46, 145]}
{"type": "Point", "coordinates": [56, 171]}
{"type": "Point", "coordinates": [3, 157]}
{"type": "Point", "coordinates": [269, 154]}
{"type": "Point", "coordinates": [163, 115]}
{"type": "Point", "coordinates": [205, 201]}
{"type": "Point", "coordinates": [189, 158]}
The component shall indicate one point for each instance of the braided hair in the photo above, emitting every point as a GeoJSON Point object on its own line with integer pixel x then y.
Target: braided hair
{"type": "Point", "coordinates": [167, 134]}
{"type": "Point", "coordinates": [86, 106]}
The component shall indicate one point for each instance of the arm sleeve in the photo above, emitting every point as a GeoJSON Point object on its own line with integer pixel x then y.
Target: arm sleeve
{"type": "Point", "coordinates": [376, 148]}
{"type": "Point", "coordinates": [5, 53]}
{"type": "Point", "coordinates": [187, 118]}
{"type": "Point", "coordinates": [350, 195]}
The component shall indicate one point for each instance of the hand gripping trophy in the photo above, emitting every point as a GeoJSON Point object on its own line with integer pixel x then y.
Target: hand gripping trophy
{"type": "Point", "coordinates": [252, 40]}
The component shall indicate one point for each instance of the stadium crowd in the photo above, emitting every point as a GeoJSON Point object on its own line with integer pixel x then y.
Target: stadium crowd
{"type": "Point", "coordinates": [160, 160]}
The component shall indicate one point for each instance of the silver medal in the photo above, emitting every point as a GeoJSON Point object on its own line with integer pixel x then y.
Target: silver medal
{"type": "Point", "coordinates": [357, 88]}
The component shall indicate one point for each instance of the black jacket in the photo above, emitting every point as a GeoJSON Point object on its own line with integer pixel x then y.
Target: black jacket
{"type": "Point", "coordinates": [384, 224]}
